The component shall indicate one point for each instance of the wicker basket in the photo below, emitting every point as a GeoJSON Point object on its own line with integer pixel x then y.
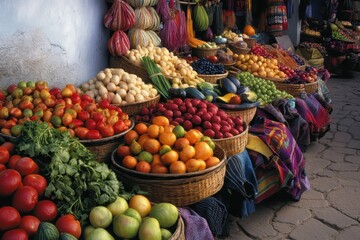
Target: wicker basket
{"type": "Point", "coordinates": [311, 87]}
{"type": "Point", "coordinates": [133, 109]}
{"type": "Point", "coordinates": [204, 52]}
{"type": "Point", "coordinates": [124, 63]}
{"type": "Point", "coordinates": [293, 89]}
{"type": "Point", "coordinates": [213, 78]}
{"type": "Point", "coordinates": [103, 148]}
{"type": "Point", "coordinates": [178, 189]}
{"type": "Point", "coordinates": [234, 145]}
{"type": "Point", "coordinates": [250, 41]}
{"type": "Point", "coordinates": [247, 114]}
{"type": "Point", "coordinates": [179, 233]}
{"type": "Point", "coordinates": [239, 50]}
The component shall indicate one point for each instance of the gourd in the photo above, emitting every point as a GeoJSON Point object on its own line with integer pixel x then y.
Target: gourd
{"type": "Point", "coordinates": [67, 236]}
{"type": "Point", "coordinates": [201, 19]}
{"type": "Point", "coordinates": [47, 231]}
{"type": "Point", "coordinates": [227, 86]}
{"type": "Point", "coordinates": [192, 92]}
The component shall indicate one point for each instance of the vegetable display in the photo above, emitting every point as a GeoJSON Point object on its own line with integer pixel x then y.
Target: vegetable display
{"type": "Point", "coordinates": [77, 182]}
{"type": "Point", "coordinates": [205, 66]}
{"type": "Point", "coordinates": [118, 87]}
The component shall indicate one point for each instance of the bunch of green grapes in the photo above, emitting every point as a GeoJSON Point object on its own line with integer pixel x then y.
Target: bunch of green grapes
{"type": "Point", "coordinates": [265, 89]}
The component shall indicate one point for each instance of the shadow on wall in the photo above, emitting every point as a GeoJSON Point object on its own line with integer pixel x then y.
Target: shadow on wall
{"type": "Point", "coordinates": [61, 41]}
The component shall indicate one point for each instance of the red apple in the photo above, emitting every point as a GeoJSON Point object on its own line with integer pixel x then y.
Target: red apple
{"type": "Point", "coordinates": [210, 133]}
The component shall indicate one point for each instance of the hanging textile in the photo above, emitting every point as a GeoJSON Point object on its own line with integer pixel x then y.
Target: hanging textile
{"type": "Point", "coordinates": [276, 17]}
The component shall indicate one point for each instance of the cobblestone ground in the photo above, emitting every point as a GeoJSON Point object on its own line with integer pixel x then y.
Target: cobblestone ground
{"type": "Point", "coordinates": [331, 209]}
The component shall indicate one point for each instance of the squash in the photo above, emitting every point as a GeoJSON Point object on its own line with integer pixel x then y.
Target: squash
{"type": "Point", "coordinates": [67, 236]}
{"type": "Point", "coordinates": [249, 30]}
{"type": "Point", "coordinates": [47, 231]}
{"type": "Point", "coordinates": [227, 86]}
{"type": "Point", "coordinates": [192, 92]}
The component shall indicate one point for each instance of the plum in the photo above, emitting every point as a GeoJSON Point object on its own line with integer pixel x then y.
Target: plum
{"type": "Point", "coordinates": [192, 110]}
{"type": "Point", "coordinates": [196, 120]}
{"type": "Point", "coordinates": [216, 127]}
{"type": "Point", "coordinates": [168, 113]}
{"type": "Point", "coordinates": [228, 135]}
{"type": "Point", "coordinates": [210, 133]}
{"type": "Point", "coordinates": [187, 125]}
{"type": "Point", "coordinates": [207, 125]}
{"type": "Point", "coordinates": [218, 135]}
{"type": "Point", "coordinates": [206, 116]}
{"type": "Point", "coordinates": [215, 119]}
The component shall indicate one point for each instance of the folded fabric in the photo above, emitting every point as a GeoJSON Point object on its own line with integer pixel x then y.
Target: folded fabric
{"type": "Point", "coordinates": [214, 212]}
{"type": "Point", "coordinates": [196, 227]}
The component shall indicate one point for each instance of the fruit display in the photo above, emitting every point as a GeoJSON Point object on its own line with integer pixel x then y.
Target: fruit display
{"type": "Point", "coordinates": [260, 66]}
{"type": "Point", "coordinates": [195, 113]}
{"type": "Point", "coordinates": [341, 35]}
{"type": "Point", "coordinates": [265, 89]}
{"type": "Point", "coordinates": [118, 87]}
{"type": "Point", "coordinates": [229, 34]}
{"type": "Point", "coordinates": [226, 56]}
{"type": "Point", "coordinates": [300, 61]}
{"type": "Point", "coordinates": [205, 67]}
{"type": "Point", "coordinates": [309, 45]}
{"type": "Point", "coordinates": [260, 50]}
{"type": "Point", "coordinates": [209, 45]}
{"type": "Point", "coordinates": [178, 70]}
{"type": "Point", "coordinates": [130, 219]}
{"type": "Point", "coordinates": [311, 32]}
{"type": "Point", "coordinates": [309, 75]}
{"type": "Point", "coordinates": [161, 148]}
{"type": "Point", "coordinates": [24, 206]}
{"type": "Point", "coordinates": [64, 109]}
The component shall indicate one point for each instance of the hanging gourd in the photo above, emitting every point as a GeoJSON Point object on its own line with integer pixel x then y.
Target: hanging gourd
{"type": "Point", "coordinates": [200, 18]}
{"type": "Point", "coordinates": [143, 18]}
{"type": "Point", "coordinates": [156, 19]}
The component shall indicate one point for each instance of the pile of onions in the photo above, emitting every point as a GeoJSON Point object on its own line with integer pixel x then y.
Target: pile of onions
{"type": "Point", "coordinates": [142, 3]}
{"type": "Point", "coordinates": [120, 16]}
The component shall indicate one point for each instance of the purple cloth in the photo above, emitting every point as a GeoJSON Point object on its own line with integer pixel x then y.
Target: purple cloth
{"type": "Point", "coordinates": [196, 227]}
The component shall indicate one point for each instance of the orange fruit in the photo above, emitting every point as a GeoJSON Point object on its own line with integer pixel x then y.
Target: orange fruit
{"type": "Point", "coordinates": [169, 157]}
{"type": "Point", "coordinates": [193, 135]}
{"type": "Point", "coordinates": [143, 166]}
{"type": "Point", "coordinates": [192, 165]}
{"type": "Point", "coordinates": [123, 151]}
{"type": "Point", "coordinates": [129, 162]}
{"type": "Point", "coordinates": [141, 204]}
{"type": "Point", "coordinates": [177, 167]}
{"type": "Point", "coordinates": [169, 128]}
{"type": "Point", "coordinates": [130, 135]}
{"type": "Point", "coordinates": [212, 161]}
{"type": "Point", "coordinates": [152, 146]}
{"type": "Point", "coordinates": [160, 121]}
{"type": "Point", "coordinates": [156, 160]}
{"type": "Point", "coordinates": [71, 87]}
{"type": "Point", "coordinates": [164, 149]}
{"type": "Point", "coordinates": [181, 143]}
{"type": "Point", "coordinates": [142, 139]}
{"type": "Point", "coordinates": [202, 164]}
{"type": "Point", "coordinates": [155, 130]}
{"type": "Point", "coordinates": [141, 128]}
{"type": "Point", "coordinates": [203, 151]}
{"type": "Point", "coordinates": [187, 152]}
{"type": "Point", "coordinates": [159, 168]}
{"type": "Point", "coordinates": [167, 138]}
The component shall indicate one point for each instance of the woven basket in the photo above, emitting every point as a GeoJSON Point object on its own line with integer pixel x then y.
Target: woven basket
{"type": "Point", "coordinates": [204, 52]}
{"type": "Point", "coordinates": [179, 233]}
{"type": "Point", "coordinates": [247, 114]}
{"type": "Point", "coordinates": [234, 145]}
{"type": "Point", "coordinates": [178, 189]}
{"type": "Point", "coordinates": [124, 63]}
{"type": "Point", "coordinates": [133, 109]}
{"type": "Point", "coordinates": [250, 41]}
{"type": "Point", "coordinates": [102, 148]}
{"type": "Point", "coordinates": [311, 87]}
{"type": "Point", "coordinates": [213, 78]}
{"type": "Point", "coordinates": [293, 89]}
{"type": "Point", "coordinates": [239, 50]}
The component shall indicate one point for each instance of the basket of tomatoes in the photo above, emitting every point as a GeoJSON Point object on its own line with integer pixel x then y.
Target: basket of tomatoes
{"type": "Point", "coordinates": [171, 164]}
{"type": "Point", "coordinates": [98, 125]}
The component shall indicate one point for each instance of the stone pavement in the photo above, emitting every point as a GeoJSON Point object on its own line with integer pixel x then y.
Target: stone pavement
{"type": "Point", "coordinates": [331, 209]}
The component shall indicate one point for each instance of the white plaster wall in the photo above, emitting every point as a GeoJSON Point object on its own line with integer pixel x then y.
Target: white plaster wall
{"type": "Point", "coordinates": [59, 41]}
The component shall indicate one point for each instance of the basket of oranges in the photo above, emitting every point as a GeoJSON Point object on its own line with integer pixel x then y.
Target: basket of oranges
{"type": "Point", "coordinates": [171, 164]}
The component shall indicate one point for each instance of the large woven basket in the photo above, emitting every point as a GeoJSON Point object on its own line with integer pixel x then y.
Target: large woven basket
{"type": "Point", "coordinates": [133, 109]}
{"type": "Point", "coordinates": [235, 144]}
{"type": "Point", "coordinates": [213, 78]}
{"type": "Point", "coordinates": [246, 114]}
{"type": "Point", "coordinates": [311, 87]}
{"type": "Point", "coordinates": [238, 50]}
{"type": "Point", "coordinates": [124, 63]}
{"type": "Point", "coordinates": [178, 189]}
{"type": "Point", "coordinates": [293, 89]}
{"type": "Point", "coordinates": [179, 233]}
{"type": "Point", "coordinates": [102, 148]}
{"type": "Point", "coordinates": [204, 52]}
{"type": "Point", "coordinates": [250, 41]}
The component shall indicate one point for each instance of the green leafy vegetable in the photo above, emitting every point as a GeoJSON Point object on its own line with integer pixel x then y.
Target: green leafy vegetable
{"type": "Point", "coordinates": [76, 181]}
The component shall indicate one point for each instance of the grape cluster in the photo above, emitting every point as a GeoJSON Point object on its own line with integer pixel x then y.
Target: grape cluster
{"type": "Point", "coordinates": [296, 58]}
{"type": "Point", "coordinates": [265, 89]}
{"type": "Point", "coordinates": [204, 66]}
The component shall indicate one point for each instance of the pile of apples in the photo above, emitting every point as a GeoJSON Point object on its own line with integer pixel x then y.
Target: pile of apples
{"type": "Point", "coordinates": [65, 109]}
{"type": "Point", "coordinates": [195, 113]}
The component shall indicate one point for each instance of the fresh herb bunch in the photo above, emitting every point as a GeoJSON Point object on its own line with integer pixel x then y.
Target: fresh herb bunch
{"type": "Point", "coordinates": [76, 181]}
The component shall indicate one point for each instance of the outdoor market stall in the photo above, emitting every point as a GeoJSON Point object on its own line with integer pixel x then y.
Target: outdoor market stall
{"type": "Point", "coordinates": [178, 132]}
